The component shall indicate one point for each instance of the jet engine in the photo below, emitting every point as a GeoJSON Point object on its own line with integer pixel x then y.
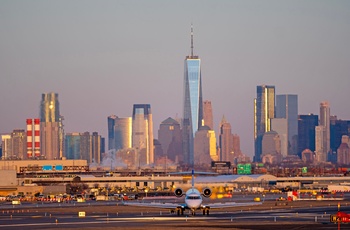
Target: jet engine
{"type": "Point", "coordinates": [178, 192]}
{"type": "Point", "coordinates": [206, 192]}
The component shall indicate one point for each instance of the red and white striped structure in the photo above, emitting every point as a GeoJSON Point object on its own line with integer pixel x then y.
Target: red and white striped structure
{"type": "Point", "coordinates": [33, 138]}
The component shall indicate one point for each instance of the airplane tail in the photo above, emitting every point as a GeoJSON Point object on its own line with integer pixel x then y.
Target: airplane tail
{"type": "Point", "coordinates": [192, 179]}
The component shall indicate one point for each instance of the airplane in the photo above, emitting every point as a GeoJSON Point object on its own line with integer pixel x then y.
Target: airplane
{"type": "Point", "coordinates": [193, 201]}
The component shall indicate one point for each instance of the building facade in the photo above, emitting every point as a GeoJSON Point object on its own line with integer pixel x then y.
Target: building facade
{"type": "Point", "coordinates": [306, 132]}
{"type": "Point", "coordinates": [51, 127]}
{"type": "Point", "coordinates": [169, 136]}
{"type": "Point", "coordinates": [287, 107]}
{"type": "Point", "coordinates": [193, 103]}
{"type": "Point", "coordinates": [225, 141]}
{"type": "Point", "coordinates": [208, 114]}
{"type": "Point", "coordinates": [142, 133]}
{"type": "Point", "coordinates": [264, 111]}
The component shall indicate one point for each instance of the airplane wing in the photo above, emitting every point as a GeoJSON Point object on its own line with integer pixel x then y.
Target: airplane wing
{"type": "Point", "coordinates": [230, 204]}
{"type": "Point", "coordinates": [155, 205]}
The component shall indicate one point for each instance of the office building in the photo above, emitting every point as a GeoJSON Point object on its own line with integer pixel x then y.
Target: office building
{"type": "Point", "coordinates": [338, 128]}
{"type": "Point", "coordinates": [322, 138]}
{"type": "Point", "coordinates": [225, 141]}
{"type": "Point", "coordinates": [193, 104]}
{"type": "Point", "coordinates": [142, 133]}
{"type": "Point", "coordinates": [83, 146]}
{"type": "Point", "coordinates": [122, 133]}
{"type": "Point", "coordinates": [19, 144]}
{"type": "Point", "coordinates": [343, 152]}
{"type": "Point", "coordinates": [169, 136]}
{"type": "Point", "coordinates": [280, 125]}
{"type": "Point", "coordinates": [51, 127]}
{"type": "Point", "coordinates": [264, 111]}
{"type": "Point", "coordinates": [204, 147]}
{"type": "Point", "coordinates": [111, 125]}
{"type": "Point", "coordinates": [208, 114]}
{"type": "Point", "coordinates": [287, 107]}
{"type": "Point", "coordinates": [306, 132]}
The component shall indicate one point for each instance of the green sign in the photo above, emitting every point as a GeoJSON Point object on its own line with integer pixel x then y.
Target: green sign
{"type": "Point", "coordinates": [304, 170]}
{"type": "Point", "coordinates": [244, 169]}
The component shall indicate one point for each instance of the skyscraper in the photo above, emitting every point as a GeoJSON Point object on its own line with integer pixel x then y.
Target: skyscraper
{"type": "Point", "coordinates": [208, 114]}
{"type": "Point", "coordinates": [111, 124]}
{"type": "Point", "coordinates": [225, 141]}
{"type": "Point", "coordinates": [83, 146]}
{"type": "Point", "coordinates": [287, 107]}
{"type": "Point", "coordinates": [264, 111]}
{"type": "Point", "coordinates": [193, 104]}
{"type": "Point", "coordinates": [122, 133]}
{"type": "Point", "coordinates": [51, 127]}
{"type": "Point", "coordinates": [325, 123]}
{"type": "Point", "coordinates": [169, 135]}
{"type": "Point", "coordinates": [142, 133]}
{"type": "Point", "coordinates": [306, 132]}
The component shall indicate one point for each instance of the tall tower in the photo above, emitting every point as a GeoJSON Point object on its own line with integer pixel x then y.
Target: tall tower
{"type": "Point", "coordinates": [142, 133]}
{"type": "Point", "coordinates": [33, 138]}
{"type": "Point", "coordinates": [264, 110]}
{"type": "Point", "coordinates": [287, 107]}
{"type": "Point", "coordinates": [208, 114]}
{"type": "Point", "coordinates": [193, 104]}
{"type": "Point", "coordinates": [51, 126]}
{"type": "Point", "coordinates": [169, 135]}
{"type": "Point", "coordinates": [306, 132]}
{"type": "Point", "coordinates": [111, 123]}
{"type": "Point", "coordinates": [326, 133]}
{"type": "Point", "coordinates": [123, 133]}
{"type": "Point", "coordinates": [225, 141]}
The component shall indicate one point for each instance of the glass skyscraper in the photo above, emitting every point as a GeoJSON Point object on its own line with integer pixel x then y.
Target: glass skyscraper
{"type": "Point", "coordinates": [287, 107]}
{"type": "Point", "coordinates": [51, 127]}
{"type": "Point", "coordinates": [142, 134]}
{"type": "Point", "coordinates": [193, 103]}
{"type": "Point", "coordinates": [264, 111]}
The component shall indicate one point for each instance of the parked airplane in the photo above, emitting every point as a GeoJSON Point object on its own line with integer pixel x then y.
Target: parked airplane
{"type": "Point", "coordinates": [193, 201]}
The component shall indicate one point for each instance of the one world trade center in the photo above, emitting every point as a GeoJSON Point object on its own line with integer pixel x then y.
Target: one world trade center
{"type": "Point", "coordinates": [193, 105]}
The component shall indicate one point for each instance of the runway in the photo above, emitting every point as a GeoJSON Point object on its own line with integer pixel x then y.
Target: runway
{"type": "Point", "coordinates": [114, 215]}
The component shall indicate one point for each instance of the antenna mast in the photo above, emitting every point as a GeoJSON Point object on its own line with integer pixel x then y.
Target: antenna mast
{"type": "Point", "coordinates": [191, 40]}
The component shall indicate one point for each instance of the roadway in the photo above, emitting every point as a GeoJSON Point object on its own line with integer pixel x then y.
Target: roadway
{"type": "Point", "coordinates": [114, 215]}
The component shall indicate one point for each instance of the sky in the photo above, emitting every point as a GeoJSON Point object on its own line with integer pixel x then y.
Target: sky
{"type": "Point", "coordinates": [102, 57]}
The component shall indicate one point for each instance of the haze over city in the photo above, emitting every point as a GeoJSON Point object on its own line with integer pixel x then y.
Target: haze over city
{"type": "Point", "coordinates": [102, 57]}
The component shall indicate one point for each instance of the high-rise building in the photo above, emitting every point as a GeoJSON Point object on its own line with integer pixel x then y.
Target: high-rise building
{"type": "Point", "coordinates": [204, 147]}
{"type": "Point", "coordinates": [324, 140]}
{"type": "Point", "coordinates": [306, 132]}
{"type": "Point", "coordinates": [193, 104]}
{"type": "Point", "coordinates": [83, 146]}
{"type": "Point", "coordinates": [225, 141]}
{"type": "Point", "coordinates": [122, 133]}
{"type": "Point", "coordinates": [280, 125]}
{"type": "Point", "coordinates": [208, 114]}
{"type": "Point", "coordinates": [287, 107]}
{"type": "Point", "coordinates": [111, 124]}
{"type": "Point", "coordinates": [142, 133]}
{"type": "Point", "coordinates": [19, 144]}
{"type": "Point", "coordinates": [264, 111]}
{"type": "Point", "coordinates": [338, 128]}
{"type": "Point", "coordinates": [169, 136]}
{"type": "Point", "coordinates": [95, 148]}
{"type": "Point", "coordinates": [6, 146]}
{"type": "Point", "coordinates": [51, 127]}
{"type": "Point", "coordinates": [33, 138]}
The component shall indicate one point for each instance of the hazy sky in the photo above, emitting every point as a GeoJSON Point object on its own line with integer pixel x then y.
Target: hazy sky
{"type": "Point", "coordinates": [102, 57]}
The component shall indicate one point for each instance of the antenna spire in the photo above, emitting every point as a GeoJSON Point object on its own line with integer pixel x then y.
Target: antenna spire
{"type": "Point", "coordinates": [191, 40]}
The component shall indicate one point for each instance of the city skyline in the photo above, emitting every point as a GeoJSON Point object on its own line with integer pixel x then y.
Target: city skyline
{"type": "Point", "coordinates": [93, 53]}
